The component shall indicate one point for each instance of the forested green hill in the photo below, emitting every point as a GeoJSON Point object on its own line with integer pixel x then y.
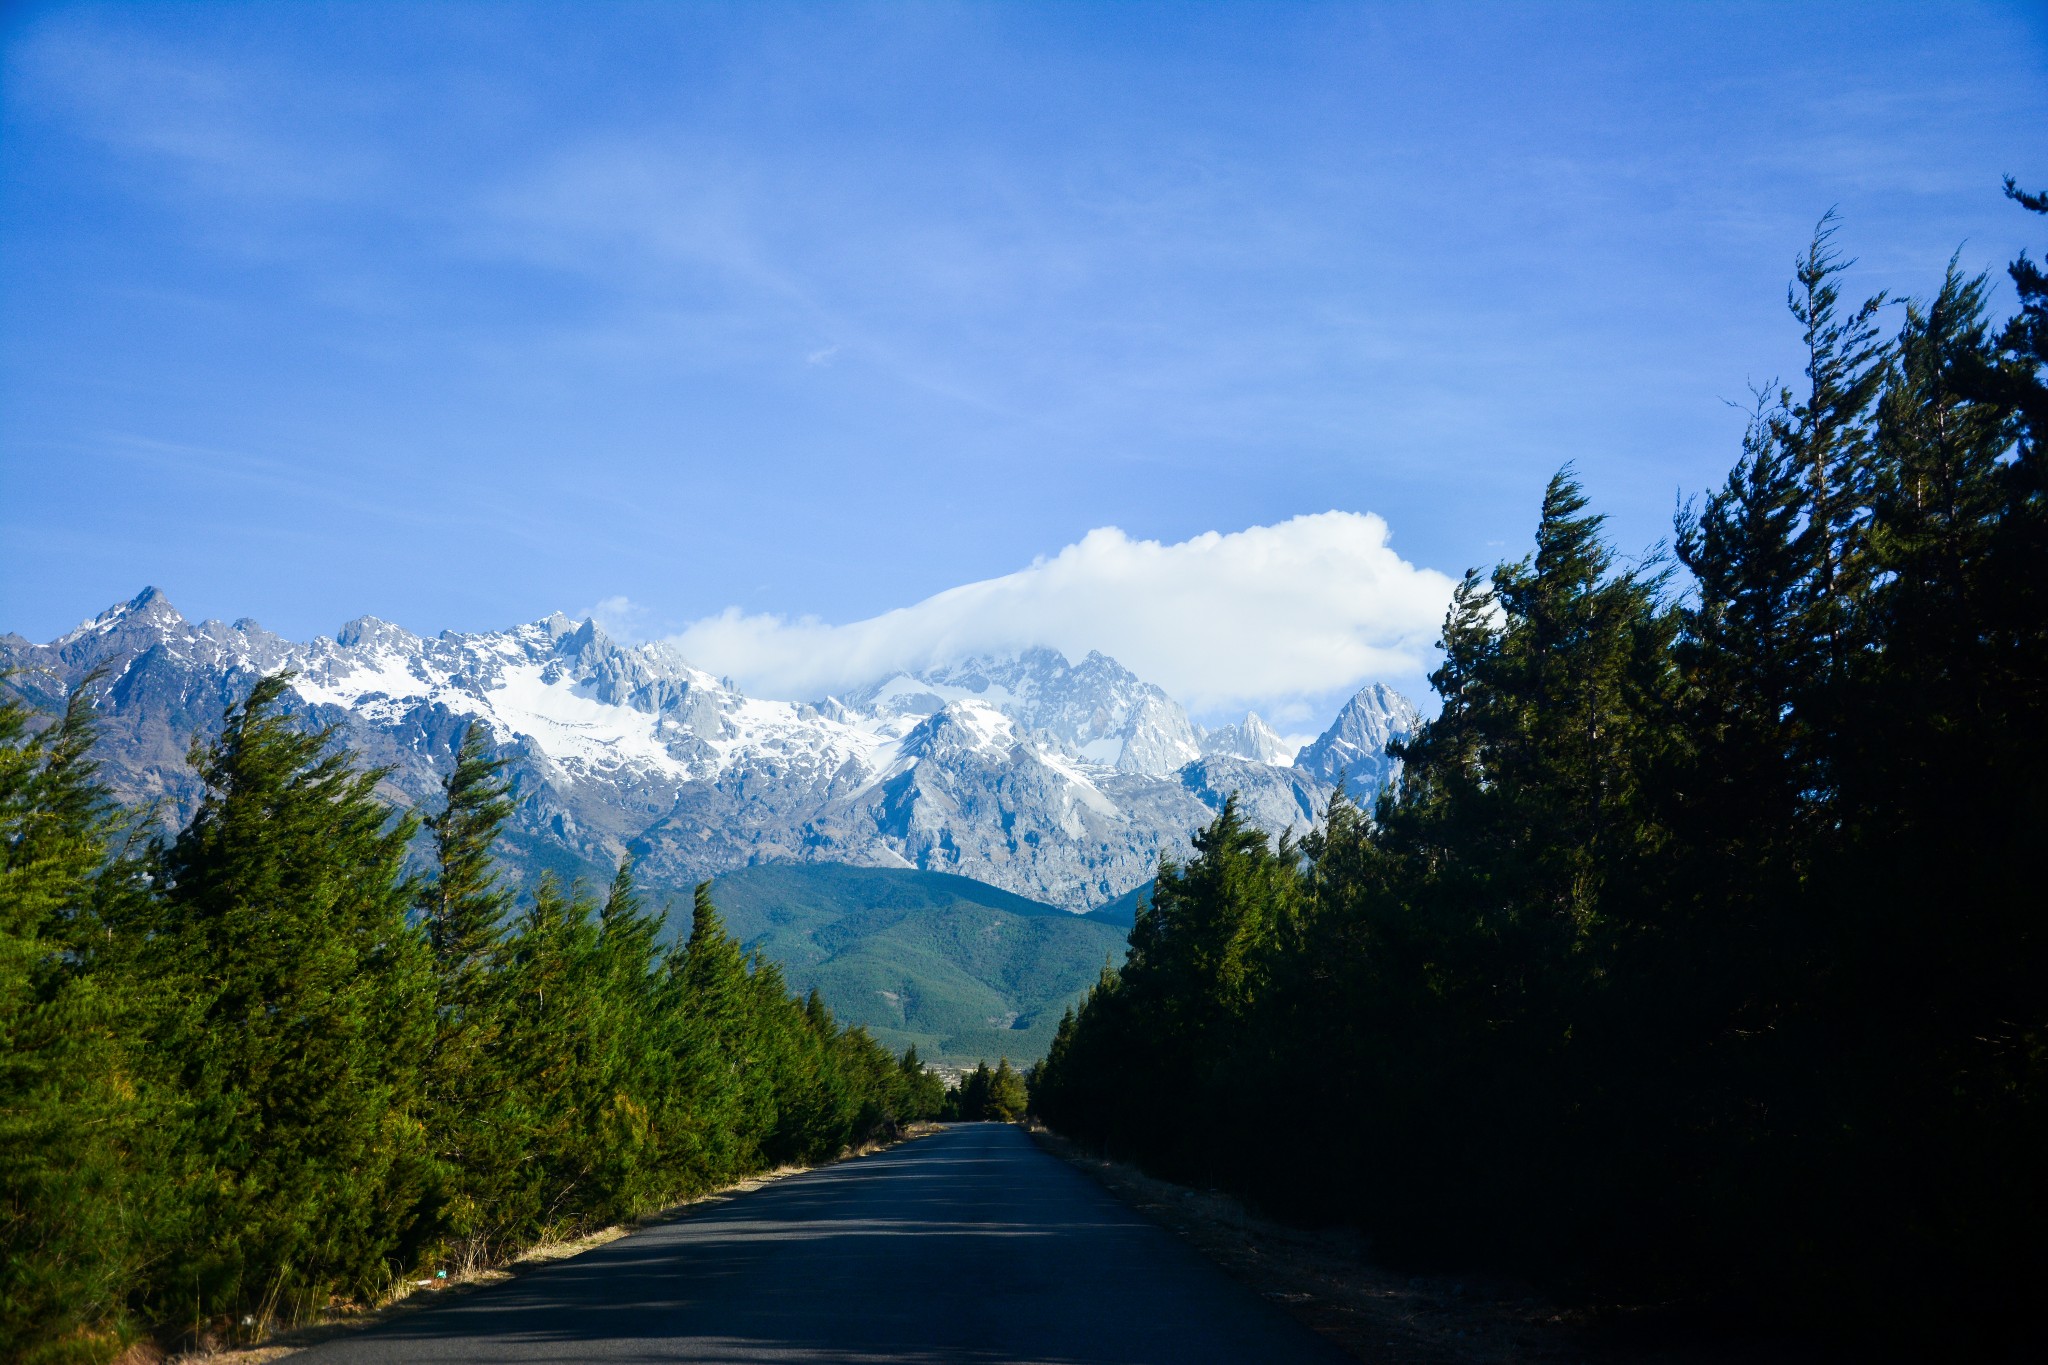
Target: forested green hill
{"type": "Point", "coordinates": [958, 969]}
{"type": "Point", "coordinates": [1123, 911]}
{"type": "Point", "coordinates": [961, 970]}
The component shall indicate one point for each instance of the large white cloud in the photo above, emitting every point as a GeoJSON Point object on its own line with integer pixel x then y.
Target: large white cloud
{"type": "Point", "coordinates": [1268, 616]}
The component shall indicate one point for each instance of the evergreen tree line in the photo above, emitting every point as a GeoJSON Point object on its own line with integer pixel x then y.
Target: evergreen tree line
{"type": "Point", "coordinates": [259, 1066]}
{"type": "Point", "coordinates": [1701, 949]}
{"type": "Point", "coordinates": [982, 1095]}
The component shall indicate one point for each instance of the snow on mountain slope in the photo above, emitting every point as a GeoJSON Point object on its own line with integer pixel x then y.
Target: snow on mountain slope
{"type": "Point", "coordinates": [1250, 738]}
{"type": "Point", "coordinates": [1058, 780]}
{"type": "Point", "coordinates": [1354, 749]}
{"type": "Point", "coordinates": [1096, 710]}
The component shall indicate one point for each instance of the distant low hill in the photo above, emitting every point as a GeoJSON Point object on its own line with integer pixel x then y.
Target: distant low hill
{"type": "Point", "coordinates": [961, 969]}
{"type": "Point", "coordinates": [1123, 911]}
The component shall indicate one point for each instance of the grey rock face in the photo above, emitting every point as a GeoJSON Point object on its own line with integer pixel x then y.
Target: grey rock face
{"type": "Point", "coordinates": [1354, 749]}
{"type": "Point", "coordinates": [1097, 710]}
{"type": "Point", "coordinates": [1250, 738]}
{"type": "Point", "coordinates": [1064, 782]}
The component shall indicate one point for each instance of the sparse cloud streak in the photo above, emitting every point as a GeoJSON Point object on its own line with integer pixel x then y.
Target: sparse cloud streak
{"type": "Point", "coordinates": [682, 301]}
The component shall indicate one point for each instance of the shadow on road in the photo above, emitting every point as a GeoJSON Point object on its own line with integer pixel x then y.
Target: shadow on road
{"type": "Point", "coordinates": [969, 1245]}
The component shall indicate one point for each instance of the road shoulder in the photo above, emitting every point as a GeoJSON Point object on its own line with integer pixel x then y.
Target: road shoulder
{"type": "Point", "coordinates": [422, 1294]}
{"type": "Point", "coordinates": [1325, 1280]}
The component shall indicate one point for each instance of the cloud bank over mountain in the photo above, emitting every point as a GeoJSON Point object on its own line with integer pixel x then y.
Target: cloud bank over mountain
{"type": "Point", "coordinates": [1268, 617]}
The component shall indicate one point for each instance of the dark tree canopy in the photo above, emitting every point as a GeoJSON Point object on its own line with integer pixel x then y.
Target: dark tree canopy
{"type": "Point", "coordinates": [1702, 944]}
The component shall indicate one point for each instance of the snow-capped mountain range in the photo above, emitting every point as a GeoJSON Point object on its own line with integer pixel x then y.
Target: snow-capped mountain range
{"type": "Point", "coordinates": [1059, 780]}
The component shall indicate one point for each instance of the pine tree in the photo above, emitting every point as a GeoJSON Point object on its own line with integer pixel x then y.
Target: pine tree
{"type": "Point", "coordinates": [1744, 647]}
{"type": "Point", "coordinates": [688, 1071]}
{"type": "Point", "coordinates": [67, 1246]}
{"type": "Point", "coordinates": [463, 911]}
{"type": "Point", "coordinates": [1939, 958]}
{"type": "Point", "coordinates": [2015, 380]}
{"type": "Point", "coordinates": [463, 908]}
{"type": "Point", "coordinates": [1745, 794]}
{"type": "Point", "coordinates": [627, 954]}
{"type": "Point", "coordinates": [1826, 434]}
{"type": "Point", "coordinates": [823, 1095]}
{"type": "Point", "coordinates": [1081, 1086]}
{"type": "Point", "coordinates": [924, 1094]}
{"type": "Point", "coordinates": [968, 1100]}
{"type": "Point", "coordinates": [1202, 932]}
{"type": "Point", "coordinates": [295, 1007]}
{"type": "Point", "coordinates": [715, 991]}
{"type": "Point", "coordinates": [1526, 795]}
{"type": "Point", "coordinates": [1006, 1098]}
{"type": "Point", "coordinates": [1573, 690]}
{"type": "Point", "coordinates": [1441, 760]}
{"type": "Point", "coordinates": [785, 1096]}
{"type": "Point", "coordinates": [1692, 922]}
{"type": "Point", "coordinates": [552, 1042]}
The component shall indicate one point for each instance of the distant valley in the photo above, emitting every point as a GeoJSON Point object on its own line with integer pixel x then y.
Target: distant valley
{"type": "Point", "coordinates": [959, 969]}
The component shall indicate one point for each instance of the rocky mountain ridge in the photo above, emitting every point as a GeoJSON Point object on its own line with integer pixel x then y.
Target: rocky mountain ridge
{"type": "Point", "coordinates": [1063, 781]}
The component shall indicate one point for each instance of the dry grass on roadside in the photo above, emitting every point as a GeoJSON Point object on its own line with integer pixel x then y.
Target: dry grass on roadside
{"type": "Point", "coordinates": [412, 1295]}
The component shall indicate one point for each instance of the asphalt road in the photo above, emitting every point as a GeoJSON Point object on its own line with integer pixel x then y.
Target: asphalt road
{"type": "Point", "coordinates": [970, 1245]}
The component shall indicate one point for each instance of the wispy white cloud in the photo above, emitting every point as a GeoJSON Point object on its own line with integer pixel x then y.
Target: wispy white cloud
{"type": "Point", "coordinates": [620, 616]}
{"type": "Point", "coordinates": [216, 126]}
{"type": "Point", "coordinates": [1267, 616]}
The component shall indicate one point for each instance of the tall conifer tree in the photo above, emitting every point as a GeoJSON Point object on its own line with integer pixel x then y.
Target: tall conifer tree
{"type": "Point", "coordinates": [68, 1243]}
{"type": "Point", "coordinates": [1826, 434]}
{"type": "Point", "coordinates": [463, 911]}
{"type": "Point", "coordinates": [715, 991]}
{"type": "Point", "coordinates": [296, 1005]}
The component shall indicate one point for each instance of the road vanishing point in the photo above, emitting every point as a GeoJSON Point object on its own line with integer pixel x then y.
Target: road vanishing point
{"type": "Point", "coordinates": [969, 1245]}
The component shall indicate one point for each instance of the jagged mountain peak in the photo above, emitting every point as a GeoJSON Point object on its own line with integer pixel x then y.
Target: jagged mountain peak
{"type": "Point", "coordinates": [148, 609]}
{"type": "Point", "coordinates": [557, 624]}
{"type": "Point", "coordinates": [1096, 710]}
{"type": "Point", "coordinates": [1354, 749]}
{"type": "Point", "coordinates": [961, 727]}
{"type": "Point", "coordinates": [1249, 738]}
{"type": "Point", "coordinates": [1060, 779]}
{"type": "Point", "coordinates": [366, 632]}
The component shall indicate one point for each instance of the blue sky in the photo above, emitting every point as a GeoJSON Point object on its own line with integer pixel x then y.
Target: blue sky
{"type": "Point", "coordinates": [748, 314]}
